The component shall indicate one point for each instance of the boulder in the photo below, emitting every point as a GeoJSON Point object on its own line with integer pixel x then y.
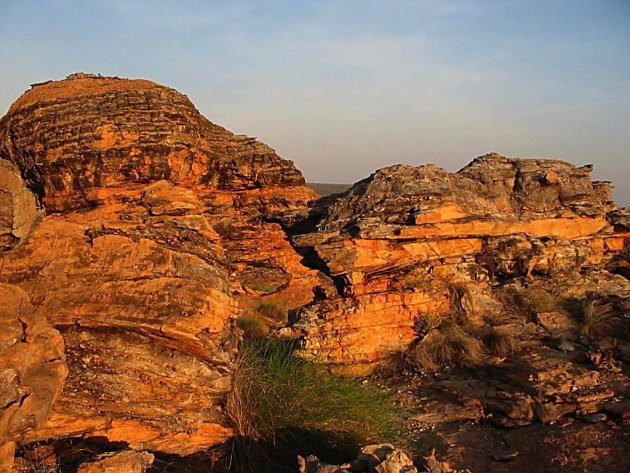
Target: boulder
{"type": "Point", "coordinates": [32, 369]}
{"type": "Point", "coordinates": [153, 217]}
{"type": "Point", "coordinates": [125, 461]}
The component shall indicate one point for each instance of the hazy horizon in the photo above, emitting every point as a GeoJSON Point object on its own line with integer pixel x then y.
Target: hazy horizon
{"type": "Point", "coordinates": [345, 88]}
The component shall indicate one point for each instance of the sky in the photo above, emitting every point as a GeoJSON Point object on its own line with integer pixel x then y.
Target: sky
{"type": "Point", "coordinates": [343, 88]}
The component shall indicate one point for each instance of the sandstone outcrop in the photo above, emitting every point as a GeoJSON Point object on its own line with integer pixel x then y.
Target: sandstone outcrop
{"type": "Point", "coordinates": [410, 241]}
{"type": "Point", "coordinates": [142, 262]}
{"type": "Point", "coordinates": [18, 206]}
{"type": "Point", "coordinates": [134, 233]}
{"type": "Point", "coordinates": [32, 370]}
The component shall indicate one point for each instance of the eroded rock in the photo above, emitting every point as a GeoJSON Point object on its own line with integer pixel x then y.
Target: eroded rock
{"type": "Point", "coordinates": [119, 462]}
{"type": "Point", "coordinates": [412, 241]}
{"type": "Point", "coordinates": [153, 214]}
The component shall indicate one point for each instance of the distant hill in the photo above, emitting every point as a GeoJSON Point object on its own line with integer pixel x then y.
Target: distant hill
{"type": "Point", "coordinates": [324, 189]}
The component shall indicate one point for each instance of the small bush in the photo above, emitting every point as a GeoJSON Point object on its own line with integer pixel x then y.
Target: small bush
{"type": "Point", "coordinates": [253, 327]}
{"type": "Point", "coordinates": [499, 342]}
{"type": "Point", "coordinates": [29, 462]}
{"type": "Point", "coordinates": [275, 310]}
{"type": "Point", "coordinates": [422, 282]}
{"type": "Point", "coordinates": [449, 345]}
{"type": "Point", "coordinates": [282, 406]}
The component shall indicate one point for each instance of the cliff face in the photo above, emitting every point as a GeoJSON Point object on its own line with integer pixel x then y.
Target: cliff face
{"type": "Point", "coordinates": [401, 242]}
{"type": "Point", "coordinates": [135, 266]}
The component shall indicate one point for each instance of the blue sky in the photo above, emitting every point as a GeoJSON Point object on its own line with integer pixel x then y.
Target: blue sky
{"type": "Point", "coordinates": [346, 87]}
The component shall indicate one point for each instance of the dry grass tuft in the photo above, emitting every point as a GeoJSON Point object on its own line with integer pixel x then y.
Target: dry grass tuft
{"type": "Point", "coordinates": [449, 345]}
{"type": "Point", "coordinates": [597, 319]}
{"type": "Point", "coordinates": [499, 342]}
{"type": "Point", "coordinates": [275, 310]}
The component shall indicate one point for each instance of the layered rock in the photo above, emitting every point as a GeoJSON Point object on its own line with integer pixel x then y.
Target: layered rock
{"type": "Point", "coordinates": [88, 132]}
{"type": "Point", "coordinates": [410, 241]}
{"type": "Point", "coordinates": [32, 370]}
{"type": "Point", "coordinates": [149, 208]}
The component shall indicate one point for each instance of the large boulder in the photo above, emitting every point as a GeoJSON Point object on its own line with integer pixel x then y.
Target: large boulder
{"type": "Point", "coordinates": [153, 215]}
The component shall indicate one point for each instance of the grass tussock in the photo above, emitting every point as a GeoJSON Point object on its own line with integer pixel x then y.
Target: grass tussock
{"type": "Point", "coordinates": [275, 310]}
{"type": "Point", "coordinates": [282, 406]}
{"type": "Point", "coordinates": [252, 327]}
{"type": "Point", "coordinates": [447, 346]}
{"type": "Point", "coordinates": [499, 342]}
{"type": "Point", "coordinates": [597, 319]}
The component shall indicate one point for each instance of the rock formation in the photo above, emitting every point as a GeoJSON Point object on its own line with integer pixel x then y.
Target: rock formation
{"type": "Point", "coordinates": [134, 233]}
{"type": "Point", "coordinates": [151, 214]}
{"type": "Point", "coordinates": [406, 241]}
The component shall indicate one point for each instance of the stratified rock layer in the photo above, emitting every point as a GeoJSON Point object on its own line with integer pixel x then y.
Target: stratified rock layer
{"type": "Point", "coordinates": [87, 132]}
{"type": "Point", "coordinates": [150, 209]}
{"type": "Point", "coordinates": [409, 241]}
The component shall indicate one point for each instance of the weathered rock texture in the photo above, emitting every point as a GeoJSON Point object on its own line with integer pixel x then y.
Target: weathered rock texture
{"type": "Point", "coordinates": [411, 241]}
{"type": "Point", "coordinates": [32, 369]}
{"type": "Point", "coordinates": [154, 216]}
{"type": "Point", "coordinates": [18, 206]}
{"type": "Point", "coordinates": [121, 462]}
{"type": "Point", "coordinates": [161, 228]}
{"type": "Point", "coordinates": [88, 132]}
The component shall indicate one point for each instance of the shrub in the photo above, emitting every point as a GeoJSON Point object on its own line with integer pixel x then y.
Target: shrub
{"type": "Point", "coordinates": [253, 327]}
{"type": "Point", "coordinates": [282, 406]}
{"type": "Point", "coordinates": [422, 281]}
{"type": "Point", "coordinates": [449, 345]}
{"type": "Point", "coordinates": [275, 310]}
{"type": "Point", "coordinates": [264, 287]}
{"type": "Point", "coordinates": [28, 461]}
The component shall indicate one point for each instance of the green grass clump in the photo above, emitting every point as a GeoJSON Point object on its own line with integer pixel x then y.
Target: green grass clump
{"type": "Point", "coordinates": [252, 327]}
{"type": "Point", "coordinates": [282, 406]}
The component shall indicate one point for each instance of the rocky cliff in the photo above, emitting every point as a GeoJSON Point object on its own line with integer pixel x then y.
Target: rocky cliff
{"type": "Point", "coordinates": [134, 233]}
{"type": "Point", "coordinates": [124, 294]}
{"type": "Point", "coordinates": [406, 241]}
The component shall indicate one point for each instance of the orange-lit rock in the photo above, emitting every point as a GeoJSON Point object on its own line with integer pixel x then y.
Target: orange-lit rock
{"type": "Point", "coordinates": [32, 369]}
{"type": "Point", "coordinates": [155, 217]}
{"type": "Point", "coordinates": [405, 231]}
